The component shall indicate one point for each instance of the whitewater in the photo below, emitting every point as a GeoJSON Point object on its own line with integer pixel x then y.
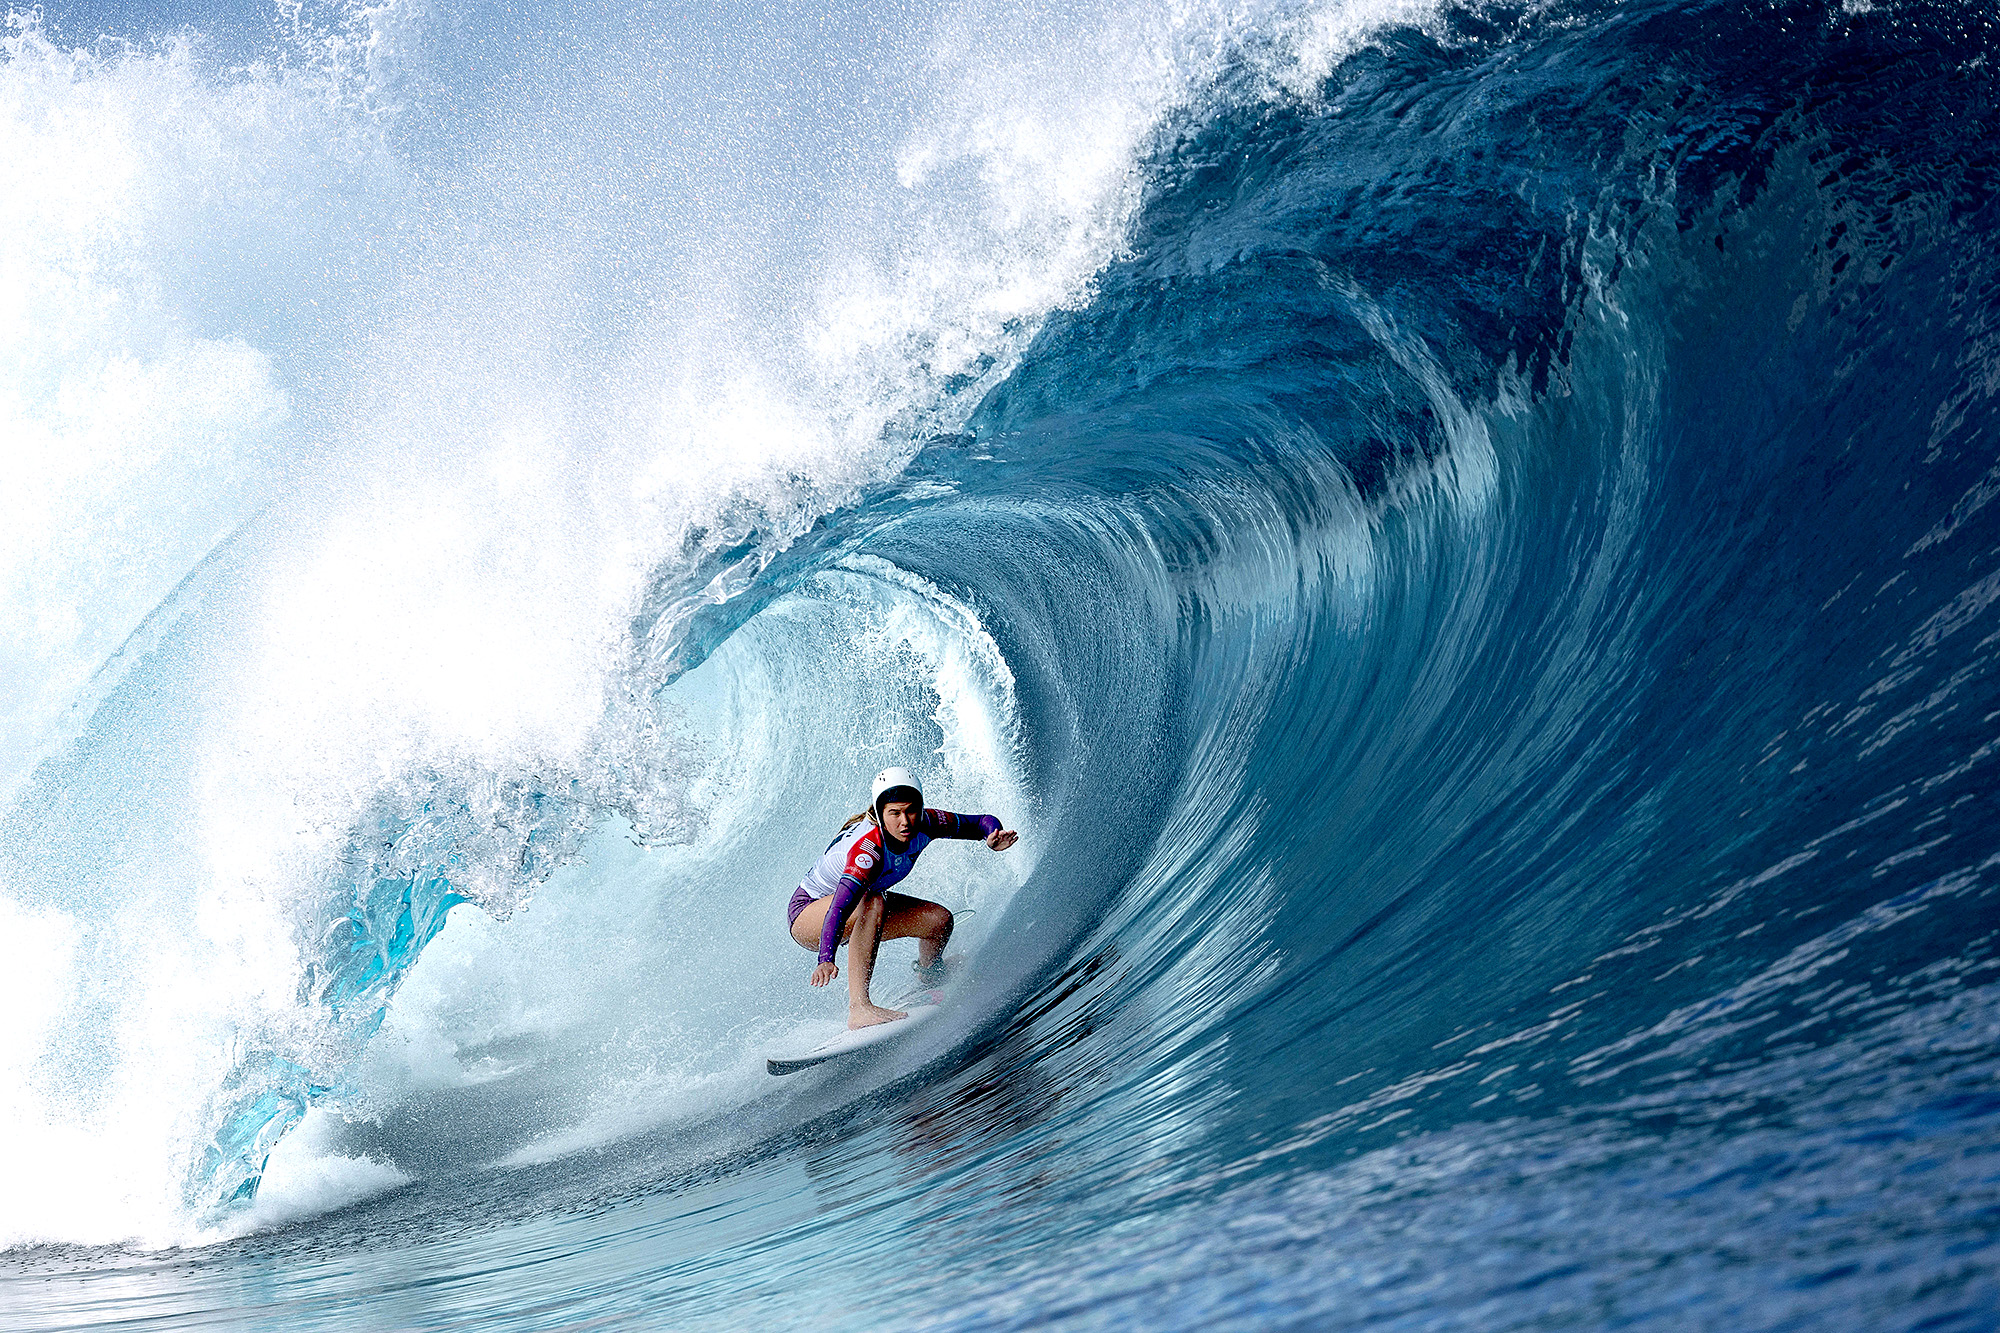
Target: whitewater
{"type": "Point", "coordinates": [1461, 534]}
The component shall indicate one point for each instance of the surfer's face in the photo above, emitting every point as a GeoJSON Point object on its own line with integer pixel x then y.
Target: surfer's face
{"type": "Point", "coordinates": [898, 819]}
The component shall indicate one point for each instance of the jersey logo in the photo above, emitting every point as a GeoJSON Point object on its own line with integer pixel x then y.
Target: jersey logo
{"type": "Point", "coordinates": [864, 860]}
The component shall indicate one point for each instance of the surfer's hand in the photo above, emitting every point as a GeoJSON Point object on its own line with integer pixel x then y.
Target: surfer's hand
{"type": "Point", "coordinates": [1001, 839]}
{"type": "Point", "coordinates": [824, 973]}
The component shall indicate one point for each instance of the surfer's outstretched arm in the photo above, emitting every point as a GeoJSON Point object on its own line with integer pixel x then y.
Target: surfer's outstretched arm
{"type": "Point", "coordinates": [949, 824]}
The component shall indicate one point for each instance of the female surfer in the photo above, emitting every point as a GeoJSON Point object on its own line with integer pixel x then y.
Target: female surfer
{"type": "Point", "coordinates": [845, 893]}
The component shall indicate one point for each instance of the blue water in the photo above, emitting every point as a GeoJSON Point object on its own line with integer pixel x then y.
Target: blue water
{"type": "Point", "coordinates": [1480, 597]}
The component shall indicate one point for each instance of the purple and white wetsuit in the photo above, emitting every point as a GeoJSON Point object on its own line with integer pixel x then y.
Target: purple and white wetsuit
{"type": "Point", "coordinates": [859, 860]}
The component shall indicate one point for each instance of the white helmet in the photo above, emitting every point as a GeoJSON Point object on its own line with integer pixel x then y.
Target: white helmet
{"type": "Point", "coordinates": [891, 780]}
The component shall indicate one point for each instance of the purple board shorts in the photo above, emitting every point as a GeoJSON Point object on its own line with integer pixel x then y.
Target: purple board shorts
{"type": "Point", "coordinates": [800, 901]}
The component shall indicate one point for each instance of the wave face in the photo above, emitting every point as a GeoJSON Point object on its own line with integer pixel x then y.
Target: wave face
{"type": "Point", "coordinates": [1462, 536]}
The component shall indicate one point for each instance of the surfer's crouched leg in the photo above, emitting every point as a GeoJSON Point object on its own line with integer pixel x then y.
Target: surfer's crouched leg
{"type": "Point", "coordinates": [920, 919]}
{"type": "Point", "coordinates": [870, 928]}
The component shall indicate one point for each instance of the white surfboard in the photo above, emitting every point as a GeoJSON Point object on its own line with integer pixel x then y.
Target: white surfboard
{"type": "Point", "coordinates": [920, 1006]}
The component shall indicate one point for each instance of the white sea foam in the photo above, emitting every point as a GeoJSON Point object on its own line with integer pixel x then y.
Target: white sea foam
{"type": "Point", "coordinates": [140, 425]}
{"type": "Point", "coordinates": [306, 1178]}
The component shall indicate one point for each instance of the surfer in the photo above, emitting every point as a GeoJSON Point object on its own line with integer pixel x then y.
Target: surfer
{"type": "Point", "coordinates": [845, 894]}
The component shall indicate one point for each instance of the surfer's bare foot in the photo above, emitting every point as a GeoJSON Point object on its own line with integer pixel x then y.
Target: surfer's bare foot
{"type": "Point", "coordinates": [868, 1015]}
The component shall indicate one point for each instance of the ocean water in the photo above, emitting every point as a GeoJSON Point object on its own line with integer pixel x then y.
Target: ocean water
{"type": "Point", "coordinates": [1462, 535]}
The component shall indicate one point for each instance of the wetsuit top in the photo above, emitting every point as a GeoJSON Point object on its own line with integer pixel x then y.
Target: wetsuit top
{"type": "Point", "coordinates": [859, 860]}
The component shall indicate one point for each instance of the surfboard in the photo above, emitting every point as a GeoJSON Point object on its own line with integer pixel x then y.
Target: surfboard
{"type": "Point", "coordinates": [920, 1005]}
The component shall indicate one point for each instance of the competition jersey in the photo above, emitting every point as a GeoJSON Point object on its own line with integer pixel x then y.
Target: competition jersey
{"type": "Point", "coordinates": [862, 853]}
{"type": "Point", "coordinates": [859, 860]}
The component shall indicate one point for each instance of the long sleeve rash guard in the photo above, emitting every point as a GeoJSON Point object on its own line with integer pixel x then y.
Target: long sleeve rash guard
{"type": "Point", "coordinates": [859, 860]}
